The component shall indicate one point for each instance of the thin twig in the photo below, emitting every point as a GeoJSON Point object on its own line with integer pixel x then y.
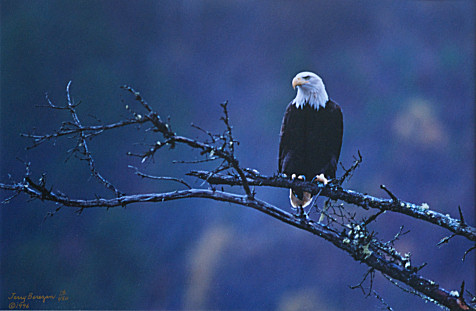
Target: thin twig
{"type": "Point", "coordinates": [143, 175]}
{"type": "Point", "coordinates": [83, 144]}
{"type": "Point", "coordinates": [394, 198]}
{"type": "Point", "coordinates": [467, 252]}
{"type": "Point", "coordinates": [349, 172]}
{"type": "Point", "coordinates": [370, 272]}
{"type": "Point", "coordinates": [382, 301]}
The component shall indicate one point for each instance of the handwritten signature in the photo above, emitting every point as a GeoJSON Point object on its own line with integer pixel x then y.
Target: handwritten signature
{"type": "Point", "coordinates": [18, 301]}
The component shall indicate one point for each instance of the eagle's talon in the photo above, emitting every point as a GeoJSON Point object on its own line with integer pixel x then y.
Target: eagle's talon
{"type": "Point", "coordinates": [320, 178]}
{"type": "Point", "coordinates": [300, 177]}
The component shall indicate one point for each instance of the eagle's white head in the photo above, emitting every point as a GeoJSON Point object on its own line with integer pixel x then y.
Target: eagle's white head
{"type": "Point", "coordinates": [310, 90]}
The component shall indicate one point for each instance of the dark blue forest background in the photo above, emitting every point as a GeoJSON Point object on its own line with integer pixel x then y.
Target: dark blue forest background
{"type": "Point", "coordinates": [403, 72]}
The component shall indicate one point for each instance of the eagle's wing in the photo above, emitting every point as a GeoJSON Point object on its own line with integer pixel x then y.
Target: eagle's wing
{"type": "Point", "coordinates": [290, 147]}
{"type": "Point", "coordinates": [334, 133]}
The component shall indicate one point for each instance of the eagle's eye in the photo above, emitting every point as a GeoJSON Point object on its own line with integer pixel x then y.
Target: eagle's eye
{"type": "Point", "coordinates": [307, 77]}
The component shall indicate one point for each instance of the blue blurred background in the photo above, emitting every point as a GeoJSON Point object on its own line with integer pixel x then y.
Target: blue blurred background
{"type": "Point", "coordinates": [403, 72]}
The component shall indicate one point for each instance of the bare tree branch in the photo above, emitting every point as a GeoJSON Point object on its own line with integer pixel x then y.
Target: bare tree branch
{"type": "Point", "coordinates": [334, 192]}
{"type": "Point", "coordinates": [359, 246]}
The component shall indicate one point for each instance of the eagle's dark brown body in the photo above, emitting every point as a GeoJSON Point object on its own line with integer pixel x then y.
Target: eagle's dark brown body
{"type": "Point", "coordinates": [311, 140]}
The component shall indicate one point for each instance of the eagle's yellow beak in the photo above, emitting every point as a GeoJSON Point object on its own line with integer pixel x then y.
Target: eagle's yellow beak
{"type": "Point", "coordinates": [297, 81]}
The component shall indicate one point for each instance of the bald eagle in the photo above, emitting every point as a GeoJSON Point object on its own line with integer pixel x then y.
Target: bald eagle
{"type": "Point", "coordinates": [311, 136]}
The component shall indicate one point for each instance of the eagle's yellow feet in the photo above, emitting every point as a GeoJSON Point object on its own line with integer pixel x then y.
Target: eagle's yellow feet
{"type": "Point", "coordinates": [321, 178]}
